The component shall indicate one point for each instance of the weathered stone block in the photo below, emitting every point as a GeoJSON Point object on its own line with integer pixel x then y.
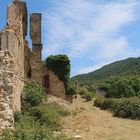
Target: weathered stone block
{"type": "Point", "coordinates": [35, 28]}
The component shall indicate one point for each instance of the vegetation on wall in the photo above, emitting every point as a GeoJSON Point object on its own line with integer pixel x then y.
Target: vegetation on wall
{"type": "Point", "coordinates": [60, 65]}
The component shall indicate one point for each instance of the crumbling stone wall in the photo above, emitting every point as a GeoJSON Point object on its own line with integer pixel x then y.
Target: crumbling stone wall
{"type": "Point", "coordinates": [6, 89]}
{"type": "Point", "coordinates": [19, 63]}
{"type": "Point", "coordinates": [52, 84]}
{"type": "Point", "coordinates": [57, 87]}
{"type": "Point", "coordinates": [11, 85]}
{"type": "Point", "coordinates": [27, 58]}
{"type": "Point", "coordinates": [36, 60]}
{"type": "Point", "coordinates": [13, 35]}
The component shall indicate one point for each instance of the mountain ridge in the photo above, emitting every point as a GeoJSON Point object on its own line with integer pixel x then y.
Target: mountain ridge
{"type": "Point", "coordinates": [129, 66]}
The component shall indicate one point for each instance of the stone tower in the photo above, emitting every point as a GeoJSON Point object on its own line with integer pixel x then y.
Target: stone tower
{"type": "Point", "coordinates": [35, 34]}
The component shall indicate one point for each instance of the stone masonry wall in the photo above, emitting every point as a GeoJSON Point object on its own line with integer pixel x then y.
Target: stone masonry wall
{"type": "Point", "coordinates": [36, 60]}
{"type": "Point", "coordinates": [10, 89]}
{"type": "Point", "coordinates": [55, 87]}
{"type": "Point", "coordinates": [6, 90]}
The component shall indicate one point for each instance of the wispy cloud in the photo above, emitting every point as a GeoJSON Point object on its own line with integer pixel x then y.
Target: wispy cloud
{"type": "Point", "coordinates": [87, 29]}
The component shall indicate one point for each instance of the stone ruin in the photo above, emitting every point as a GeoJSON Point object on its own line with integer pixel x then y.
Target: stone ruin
{"type": "Point", "coordinates": [20, 63]}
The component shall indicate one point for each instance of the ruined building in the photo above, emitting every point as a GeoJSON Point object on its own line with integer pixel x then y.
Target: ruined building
{"type": "Point", "coordinates": [19, 62]}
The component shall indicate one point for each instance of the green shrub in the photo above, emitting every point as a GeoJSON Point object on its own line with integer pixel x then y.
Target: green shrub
{"type": "Point", "coordinates": [30, 130]}
{"type": "Point", "coordinates": [63, 112]}
{"type": "Point", "coordinates": [48, 114]}
{"type": "Point", "coordinates": [123, 107]}
{"type": "Point", "coordinates": [82, 91]}
{"type": "Point", "coordinates": [104, 103]}
{"type": "Point", "coordinates": [98, 102]}
{"type": "Point", "coordinates": [127, 108]}
{"type": "Point", "coordinates": [17, 116]}
{"type": "Point", "coordinates": [37, 120]}
{"type": "Point", "coordinates": [37, 123]}
{"type": "Point", "coordinates": [87, 95]}
{"type": "Point", "coordinates": [35, 113]}
{"type": "Point", "coordinates": [33, 94]}
{"type": "Point", "coordinates": [120, 87]}
{"type": "Point", "coordinates": [50, 117]}
{"type": "Point", "coordinates": [70, 90]}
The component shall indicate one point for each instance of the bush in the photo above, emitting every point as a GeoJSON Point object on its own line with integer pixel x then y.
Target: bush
{"type": "Point", "coordinates": [120, 87]}
{"type": "Point", "coordinates": [50, 117]}
{"type": "Point", "coordinates": [124, 107]}
{"type": "Point", "coordinates": [82, 91]}
{"type": "Point", "coordinates": [37, 123]}
{"type": "Point", "coordinates": [28, 129]}
{"type": "Point", "coordinates": [33, 94]}
{"type": "Point", "coordinates": [63, 112]}
{"type": "Point", "coordinates": [127, 108]}
{"type": "Point", "coordinates": [37, 120]}
{"type": "Point", "coordinates": [48, 114]}
{"type": "Point", "coordinates": [70, 90]}
{"type": "Point", "coordinates": [86, 94]}
{"type": "Point", "coordinates": [104, 103]}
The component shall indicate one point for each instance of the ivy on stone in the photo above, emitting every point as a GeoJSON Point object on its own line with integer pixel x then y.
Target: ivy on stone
{"type": "Point", "coordinates": [60, 65]}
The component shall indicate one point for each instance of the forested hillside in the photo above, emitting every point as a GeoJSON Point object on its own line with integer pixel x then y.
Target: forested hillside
{"type": "Point", "coordinates": [130, 66]}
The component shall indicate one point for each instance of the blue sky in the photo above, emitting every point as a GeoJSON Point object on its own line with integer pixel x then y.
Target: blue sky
{"type": "Point", "coordinates": [92, 33]}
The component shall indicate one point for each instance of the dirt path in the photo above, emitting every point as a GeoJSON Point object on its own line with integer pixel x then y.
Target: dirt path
{"type": "Point", "coordinates": [94, 124]}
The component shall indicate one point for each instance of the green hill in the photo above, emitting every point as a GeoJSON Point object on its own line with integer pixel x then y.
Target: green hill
{"type": "Point", "coordinates": [130, 66]}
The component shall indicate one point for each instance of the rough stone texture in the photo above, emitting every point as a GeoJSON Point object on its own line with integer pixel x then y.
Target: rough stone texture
{"type": "Point", "coordinates": [35, 28]}
{"type": "Point", "coordinates": [27, 57]}
{"type": "Point", "coordinates": [56, 87]}
{"type": "Point", "coordinates": [12, 63]}
{"type": "Point", "coordinates": [19, 63]}
{"type": "Point", "coordinates": [23, 11]}
{"type": "Point", "coordinates": [45, 82]}
{"type": "Point", "coordinates": [17, 17]}
{"type": "Point", "coordinates": [7, 66]}
{"type": "Point", "coordinates": [35, 33]}
{"type": "Point", "coordinates": [11, 85]}
{"type": "Point", "coordinates": [16, 23]}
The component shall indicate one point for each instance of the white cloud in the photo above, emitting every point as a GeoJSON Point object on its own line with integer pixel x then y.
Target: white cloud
{"type": "Point", "coordinates": [82, 28]}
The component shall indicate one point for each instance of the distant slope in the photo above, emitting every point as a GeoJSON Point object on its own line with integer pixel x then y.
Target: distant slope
{"type": "Point", "coordinates": [130, 66]}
